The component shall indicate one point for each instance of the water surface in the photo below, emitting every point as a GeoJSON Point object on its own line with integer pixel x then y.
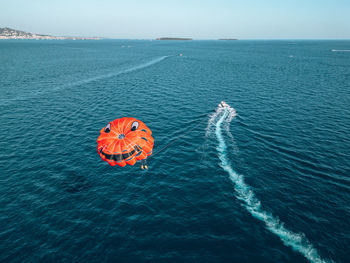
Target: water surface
{"type": "Point", "coordinates": [289, 142]}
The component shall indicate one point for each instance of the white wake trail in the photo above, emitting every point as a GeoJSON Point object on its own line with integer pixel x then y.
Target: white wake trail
{"type": "Point", "coordinates": [144, 65]}
{"type": "Point", "coordinates": [340, 50]}
{"type": "Point", "coordinates": [117, 73]}
{"type": "Point", "coordinates": [296, 241]}
{"type": "Point", "coordinates": [85, 81]}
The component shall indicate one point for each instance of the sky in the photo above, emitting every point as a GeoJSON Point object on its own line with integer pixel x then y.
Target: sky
{"type": "Point", "coordinates": [198, 19]}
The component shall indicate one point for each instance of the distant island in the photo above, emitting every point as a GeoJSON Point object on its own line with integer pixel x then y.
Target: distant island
{"type": "Point", "coordinates": [173, 38]}
{"type": "Point", "coordinates": [9, 33]}
{"type": "Point", "coordinates": [227, 39]}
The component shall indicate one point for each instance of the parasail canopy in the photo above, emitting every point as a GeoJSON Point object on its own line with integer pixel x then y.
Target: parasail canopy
{"type": "Point", "coordinates": [125, 141]}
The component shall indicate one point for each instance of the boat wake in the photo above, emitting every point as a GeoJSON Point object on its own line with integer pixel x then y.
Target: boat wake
{"type": "Point", "coordinates": [340, 50]}
{"type": "Point", "coordinates": [144, 65]}
{"type": "Point", "coordinates": [88, 80]}
{"type": "Point", "coordinates": [297, 241]}
{"type": "Point", "coordinates": [114, 74]}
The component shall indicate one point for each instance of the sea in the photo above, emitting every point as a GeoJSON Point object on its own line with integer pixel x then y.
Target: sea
{"type": "Point", "coordinates": [265, 178]}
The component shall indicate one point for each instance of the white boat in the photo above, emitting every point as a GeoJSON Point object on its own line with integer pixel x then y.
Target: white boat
{"type": "Point", "coordinates": [223, 104]}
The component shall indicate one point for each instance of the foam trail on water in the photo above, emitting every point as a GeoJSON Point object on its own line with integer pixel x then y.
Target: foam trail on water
{"type": "Point", "coordinates": [145, 65]}
{"type": "Point", "coordinates": [88, 80]}
{"type": "Point", "coordinates": [244, 193]}
{"type": "Point", "coordinates": [213, 119]}
{"type": "Point", "coordinates": [340, 50]}
{"type": "Point", "coordinates": [114, 74]}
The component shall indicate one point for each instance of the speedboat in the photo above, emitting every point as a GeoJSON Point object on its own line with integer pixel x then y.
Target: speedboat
{"type": "Point", "coordinates": [223, 104]}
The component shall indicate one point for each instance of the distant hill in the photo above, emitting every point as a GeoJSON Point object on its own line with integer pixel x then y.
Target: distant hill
{"type": "Point", "coordinates": [9, 33]}
{"type": "Point", "coordinates": [173, 38]}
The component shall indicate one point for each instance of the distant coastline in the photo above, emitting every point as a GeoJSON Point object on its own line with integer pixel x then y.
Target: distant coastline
{"type": "Point", "coordinates": [173, 38]}
{"type": "Point", "coordinates": [228, 39]}
{"type": "Point", "coordinates": [9, 33]}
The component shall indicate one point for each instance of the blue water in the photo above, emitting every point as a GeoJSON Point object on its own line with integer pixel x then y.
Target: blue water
{"type": "Point", "coordinates": [265, 180]}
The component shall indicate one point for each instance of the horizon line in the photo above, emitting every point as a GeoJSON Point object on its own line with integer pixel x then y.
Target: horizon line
{"type": "Point", "coordinates": [192, 39]}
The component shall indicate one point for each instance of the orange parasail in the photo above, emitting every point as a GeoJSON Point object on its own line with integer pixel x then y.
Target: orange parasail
{"type": "Point", "coordinates": [125, 141]}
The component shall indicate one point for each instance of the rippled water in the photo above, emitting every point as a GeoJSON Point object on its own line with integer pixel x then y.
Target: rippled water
{"type": "Point", "coordinates": [266, 180]}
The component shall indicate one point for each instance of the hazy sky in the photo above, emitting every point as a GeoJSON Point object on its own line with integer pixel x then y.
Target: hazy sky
{"type": "Point", "coordinates": [199, 19]}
